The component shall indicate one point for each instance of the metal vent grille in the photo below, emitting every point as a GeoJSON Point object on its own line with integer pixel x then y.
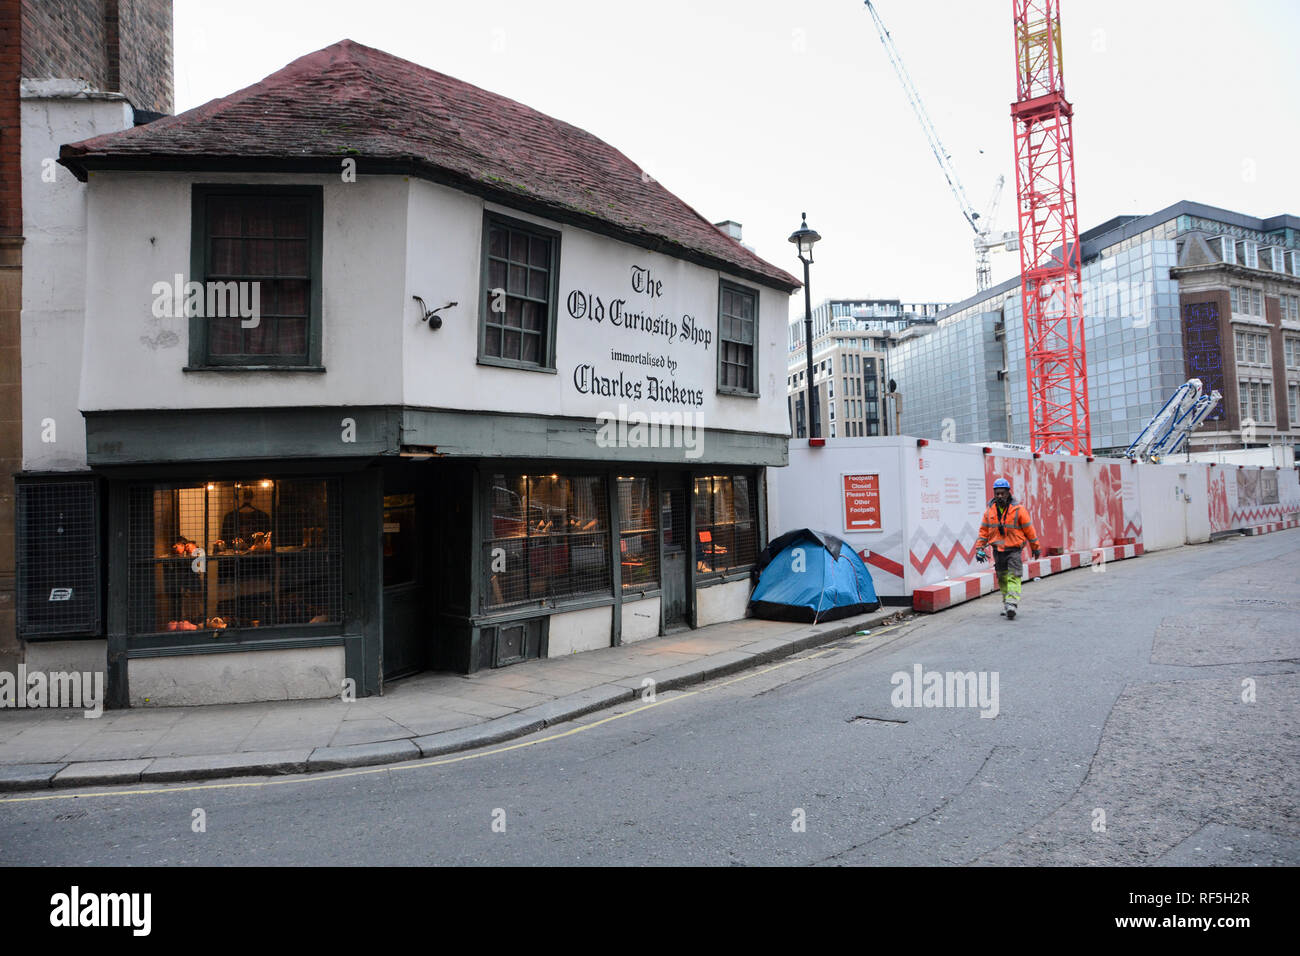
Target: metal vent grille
{"type": "Point", "coordinates": [58, 552]}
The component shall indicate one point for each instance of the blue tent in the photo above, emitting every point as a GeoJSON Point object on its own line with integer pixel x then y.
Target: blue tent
{"type": "Point", "coordinates": [807, 575]}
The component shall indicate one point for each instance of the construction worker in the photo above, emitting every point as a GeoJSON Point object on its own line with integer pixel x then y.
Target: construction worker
{"type": "Point", "coordinates": [1007, 527]}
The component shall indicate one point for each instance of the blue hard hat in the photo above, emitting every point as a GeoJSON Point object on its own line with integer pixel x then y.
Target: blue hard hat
{"type": "Point", "coordinates": [1002, 483]}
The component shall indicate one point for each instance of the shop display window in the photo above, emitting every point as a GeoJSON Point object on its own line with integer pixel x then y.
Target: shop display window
{"type": "Point", "coordinates": [726, 535]}
{"type": "Point", "coordinates": [235, 554]}
{"type": "Point", "coordinates": [638, 547]}
{"type": "Point", "coordinates": [547, 538]}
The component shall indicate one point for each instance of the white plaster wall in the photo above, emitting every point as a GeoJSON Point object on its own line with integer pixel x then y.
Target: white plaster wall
{"type": "Point", "coordinates": [238, 677]}
{"type": "Point", "coordinates": [67, 656]}
{"type": "Point", "coordinates": [573, 632]}
{"type": "Point", "coordinates": [721, 603]}
{"type": "Point", "coordinates": [1167, 520]}
{"type": "Point", "coordinates": [445, 250]}
{"type": "Point", "coordinates": [808, 493]}
{"type": "Point", "coordinates": [386, 239]}
{"type": "Point", "coordinates": [1198, 511]}
{"type": "Point", "coordinates": [54, 274]}
{"type": "Point", "coordinates": [640, 620]}
{"type": "Point", "coordinates": [139, 234]}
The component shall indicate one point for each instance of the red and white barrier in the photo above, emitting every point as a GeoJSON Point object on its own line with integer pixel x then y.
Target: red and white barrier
{"type": "Point", "coordinates": [1116, 553]}
{"type": "Point", "coordinates": [1291, 521]}
{"type": "Point", "coordinates": [1042, 567]}
{"type": "Point", "coordinates": [936, 597]}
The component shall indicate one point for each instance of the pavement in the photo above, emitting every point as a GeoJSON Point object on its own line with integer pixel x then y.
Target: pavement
{"type": "Point", "coordinates": [427, 715]}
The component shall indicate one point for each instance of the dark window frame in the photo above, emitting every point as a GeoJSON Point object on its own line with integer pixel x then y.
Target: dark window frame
{"type": "Point", "coordinates": [199, 358]}
{"type": "Point", "coordinates": [336, 550]}
{"type": "Point", "coordinates": [486, 606]}
{"type": "Point", "coordinates": [546, 362]}
{"type": "Point", "coordinates": [715, 573]}
{"type": "Point", "coordinates": [735, 288]}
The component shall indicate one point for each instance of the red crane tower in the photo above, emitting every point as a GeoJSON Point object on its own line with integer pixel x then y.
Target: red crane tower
{"type": "Point", "coordinates": [1056, 367]}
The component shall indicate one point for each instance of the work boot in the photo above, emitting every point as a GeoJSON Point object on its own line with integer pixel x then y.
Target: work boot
{"type": "Point", "coordinates": [1010, 611]}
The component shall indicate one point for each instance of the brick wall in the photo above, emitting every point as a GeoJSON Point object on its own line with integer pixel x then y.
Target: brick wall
{"type": "Point", "coordinates": [145, 45]}
{"type": "Point", "coordinates": [64, 39]}
{"type": "Point", "coordinates": [123, 46]}
{"type": "Point", "coordinates": [11, 191]}
{"type": "Point", "coordinates": [1212, 359]}
{"type": "Point", "coordinates": [11, 285]}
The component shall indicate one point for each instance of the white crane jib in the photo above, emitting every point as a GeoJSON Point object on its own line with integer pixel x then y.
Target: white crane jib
{"type": "Point", "coordinates": [982, 227]}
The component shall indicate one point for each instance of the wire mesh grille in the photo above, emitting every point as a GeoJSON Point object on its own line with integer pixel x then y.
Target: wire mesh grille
{"type": "Point", "coordinates": [547, 537]}
{"type": "Point", "coordinates": [235, 554]}
{"type": "Point", "coordinates": [638, 547]}
{"type": "Point", "coordinates": [725, 532]}
{"type": "Point", "coordinates": [58, 558]}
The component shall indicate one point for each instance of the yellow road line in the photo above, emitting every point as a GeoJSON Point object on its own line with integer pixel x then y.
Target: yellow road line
{"type": "Point", "coordinates": [421, 764]}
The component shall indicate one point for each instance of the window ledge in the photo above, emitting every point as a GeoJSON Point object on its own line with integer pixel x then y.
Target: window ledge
{"type": "Point", "coordinates": [708, 578]}
{"type": "Point", "coordinates": [517, 366]}
{"type": "Point", "coordinates": [524, 611]}
{"type": "Point", "coordinates": [253, 368]}
{"type": "Point", "coordinates": [737, 393]}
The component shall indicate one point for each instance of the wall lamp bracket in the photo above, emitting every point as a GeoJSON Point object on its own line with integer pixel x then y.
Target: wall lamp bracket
{"type": "Point", "coordinates": [431, 315]}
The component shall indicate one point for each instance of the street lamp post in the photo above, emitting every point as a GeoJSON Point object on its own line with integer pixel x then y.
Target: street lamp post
{"type": "Point", "coordinates": [804, 239]}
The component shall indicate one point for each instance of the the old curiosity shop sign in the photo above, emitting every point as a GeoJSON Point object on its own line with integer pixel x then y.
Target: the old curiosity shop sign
{"type": "Point", "coordinates": [656, 357]}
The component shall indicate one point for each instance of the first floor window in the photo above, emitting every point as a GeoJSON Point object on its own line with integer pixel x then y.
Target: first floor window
{"type": "Point", "coordinates": [1252, 347]}
{"type": "Point", "coordinates": [1291, 346]}
{"type": "Point", "coordinates": [1293, 404]}
{"type": "Point", "coordinates": [547, 538]}
{"type": "Point", "coordinates": [1246, 301]}
{"type": "Point", "coordinates": [521, 266]}
{"type": "Point", "coordinates": [1290, 307]}
{"type": "Point", "coordinates": [725, 531]}
{"type": "Point", "coordinates": [737, 339]}
{"type": "Point", "coordinates": [234, 554]}
{"type": "Point", "coordinates": [258, 262]}
{"type": "Point", "coordinates": [1256, 402]}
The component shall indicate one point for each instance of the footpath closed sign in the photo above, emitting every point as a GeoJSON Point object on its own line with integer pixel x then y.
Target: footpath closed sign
{"type": "Point", "coordinates": [862, 502]}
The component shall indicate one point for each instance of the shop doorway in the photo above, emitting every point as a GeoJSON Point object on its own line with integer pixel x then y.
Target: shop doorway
{"type": "Point", "coordinates": [405, 597]}
{"type": "Point", "coordinates": [675, 532]}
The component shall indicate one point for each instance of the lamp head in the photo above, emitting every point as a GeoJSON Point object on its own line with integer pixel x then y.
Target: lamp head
{"type": "Point", "coordinates": [804, 239]}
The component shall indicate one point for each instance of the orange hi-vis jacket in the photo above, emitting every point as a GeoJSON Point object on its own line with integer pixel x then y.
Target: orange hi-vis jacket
{"type": "Point", "coordinates": [1011, 532]}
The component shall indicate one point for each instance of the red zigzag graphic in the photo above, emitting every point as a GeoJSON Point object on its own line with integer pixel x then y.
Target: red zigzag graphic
{"type": "Point", "coordinates": [934, 554]}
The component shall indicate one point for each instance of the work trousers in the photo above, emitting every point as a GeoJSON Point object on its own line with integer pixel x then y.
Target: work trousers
{"type": "Point", "coordinates": [1007, 568]}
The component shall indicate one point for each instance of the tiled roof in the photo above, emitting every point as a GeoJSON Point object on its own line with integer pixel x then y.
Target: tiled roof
{"type": "Point", "coordinates": [396, 116]}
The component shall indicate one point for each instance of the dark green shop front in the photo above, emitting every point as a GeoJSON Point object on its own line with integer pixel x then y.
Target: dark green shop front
{"type": "Point", "coordinates": [409, 556]}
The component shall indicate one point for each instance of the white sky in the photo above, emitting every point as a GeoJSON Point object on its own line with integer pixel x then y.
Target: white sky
{"type": "Point", "coordinates": [756, 110]}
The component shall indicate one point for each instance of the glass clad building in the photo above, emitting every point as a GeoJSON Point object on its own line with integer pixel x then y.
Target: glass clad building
{"type": "Point", "coordinates": [1133, 305]}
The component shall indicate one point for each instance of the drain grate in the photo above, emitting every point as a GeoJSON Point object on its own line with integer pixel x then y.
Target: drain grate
{"type": "Point", "coordinates": [1261, 602]}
